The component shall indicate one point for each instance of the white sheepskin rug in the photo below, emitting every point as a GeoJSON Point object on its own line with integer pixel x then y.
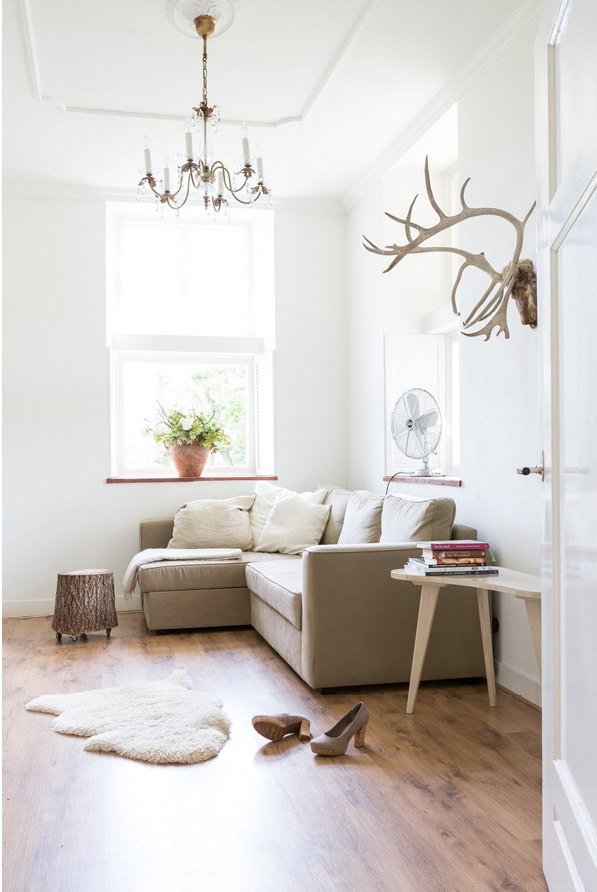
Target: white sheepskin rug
{"type": "Point", "coordinates": [159, 721]}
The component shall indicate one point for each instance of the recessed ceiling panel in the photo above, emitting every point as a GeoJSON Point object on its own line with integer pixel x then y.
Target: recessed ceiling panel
{"type": "Point", "coordinates": [130, 56]}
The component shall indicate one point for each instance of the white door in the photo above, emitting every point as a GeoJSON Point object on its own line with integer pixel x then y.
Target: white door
{"type": "Point", "coordinates": [566, 78]}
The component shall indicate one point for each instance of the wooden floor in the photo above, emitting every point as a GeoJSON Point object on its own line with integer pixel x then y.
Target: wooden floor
{"type": "Point", "coordinates": [445, 800]}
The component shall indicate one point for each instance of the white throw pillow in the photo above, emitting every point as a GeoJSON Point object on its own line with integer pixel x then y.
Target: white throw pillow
{"type": "Point", "coordinates": [265, 498]}
{"type": "Point", "coordinates": [294, 524]}
{"type": "Point", "coordinates": [362, 521]}
{"type": "Point", "coordinates": [214, 523]}
{"type": "Point", "coordinates": [337, 498]}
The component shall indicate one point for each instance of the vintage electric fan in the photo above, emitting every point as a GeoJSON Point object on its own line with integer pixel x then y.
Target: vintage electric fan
{"type": "Point", "coordinates": [417, 427]}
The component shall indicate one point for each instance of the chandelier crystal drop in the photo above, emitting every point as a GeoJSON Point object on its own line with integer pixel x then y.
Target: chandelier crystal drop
{"type": "Point", "coordinates": [212, 179]}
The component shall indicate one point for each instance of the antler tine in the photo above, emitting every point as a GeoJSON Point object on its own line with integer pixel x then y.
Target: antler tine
{"type": "Point", "coordinates": [472, 318]}
{"type": "Point", "coordinates": [499, 320]}
{"type": "Point", "coordinates": [530, 211]}
{"type": "Point", "coordinates": [390, 251]}
{"type": "Point", "coordinates": [408, 224]}
{"type": "Point", "coordinates": [462, 201]}
{"type": "Point", "coordinates": [430, 194]}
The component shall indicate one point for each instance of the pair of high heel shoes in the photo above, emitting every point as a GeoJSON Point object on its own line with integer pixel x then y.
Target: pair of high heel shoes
{"type": "Point", "coordinates": [333, 743]}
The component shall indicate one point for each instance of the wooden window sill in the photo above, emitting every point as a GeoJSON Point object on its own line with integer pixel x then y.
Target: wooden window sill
{"type": "Point", "coordinates": [205, 479]}
{"type": "Point", "coordinates": [434, 481]}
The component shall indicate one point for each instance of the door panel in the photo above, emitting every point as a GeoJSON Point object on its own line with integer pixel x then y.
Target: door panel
{"type": "Point", "coordinates": [576, 98]}
{"type": "Point", "coordinates": [577, 286]}
{"type": "Point", "coordinates": [566, 140]}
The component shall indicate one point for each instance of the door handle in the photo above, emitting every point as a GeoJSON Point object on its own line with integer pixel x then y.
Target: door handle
{"type": "Point", "coordinates": [538, 469]}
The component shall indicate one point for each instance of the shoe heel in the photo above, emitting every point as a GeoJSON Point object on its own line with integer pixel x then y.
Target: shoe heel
{"type": "Point", "coordinates": [359, 738]}
{"type": "Point", "coordinates": [305, 730]}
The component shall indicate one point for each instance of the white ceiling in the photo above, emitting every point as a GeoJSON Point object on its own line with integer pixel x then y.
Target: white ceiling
{"type": "Point", "coordinates": [83, 83]}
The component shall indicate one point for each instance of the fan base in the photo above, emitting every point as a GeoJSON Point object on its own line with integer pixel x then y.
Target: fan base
{"type": "Point", "coordinates": [427, 472]}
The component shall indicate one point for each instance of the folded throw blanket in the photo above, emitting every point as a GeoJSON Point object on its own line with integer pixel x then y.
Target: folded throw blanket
{"type": "Point", "coordinates": [149, 555]}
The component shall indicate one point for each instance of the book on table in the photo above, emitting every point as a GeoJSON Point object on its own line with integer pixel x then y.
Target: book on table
{"type": "Point", "coordinates": [412, 566]}
{"type": "Point", "coordinates": [437, 558]}
{"type": "Point", "coordinates": [454, 545]}
{"type": "Point", "coordinates": [462, 557]}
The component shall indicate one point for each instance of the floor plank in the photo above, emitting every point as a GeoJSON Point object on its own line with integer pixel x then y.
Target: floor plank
{"type": "Point", "coordinates": [445, 800]}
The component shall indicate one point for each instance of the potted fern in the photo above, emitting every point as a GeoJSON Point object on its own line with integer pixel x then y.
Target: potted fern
{"type": "Point", "coordinates": [189, 438]}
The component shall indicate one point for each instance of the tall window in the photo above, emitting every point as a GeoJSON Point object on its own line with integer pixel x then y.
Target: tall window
{"type": "Point", "coordinates": [183, 336]}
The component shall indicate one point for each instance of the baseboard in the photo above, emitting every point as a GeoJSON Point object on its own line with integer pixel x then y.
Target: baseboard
{"type": "Point", "coordinates": [518, 682]}
{"type": "Point", "coordinates": [500, 687]}
{"type": "Point", "coordinates": [46, 607]}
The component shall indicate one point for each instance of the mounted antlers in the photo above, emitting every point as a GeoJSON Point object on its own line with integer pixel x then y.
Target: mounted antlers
{"type": "Point", "coordinates": [516, 279]}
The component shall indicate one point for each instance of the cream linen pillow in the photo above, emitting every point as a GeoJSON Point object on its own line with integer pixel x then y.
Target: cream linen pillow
{"type": "Point", "coordinates": [214, 523]}
{"type": "Point", "coordinates": [407, 519]}
{"type": "Point", "coordinates": [337, 498]}
{"type": "Point", "coordinates": [294, 524]}
{"type": "Point", "coordinates": [362, 521]}
{"type": "Point", "coordinates": [265, 497]}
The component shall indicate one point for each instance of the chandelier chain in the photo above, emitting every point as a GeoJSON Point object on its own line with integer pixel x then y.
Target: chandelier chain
{"type": "Point", "coordinates": [205, 72]}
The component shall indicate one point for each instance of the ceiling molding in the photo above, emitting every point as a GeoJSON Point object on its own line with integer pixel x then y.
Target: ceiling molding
{"type": "Point", "coordinates": [37, 88]}
{"type": "Point", "coordinates": [521, 21]}
{"type": "Point", "coordinates": [90, 193]}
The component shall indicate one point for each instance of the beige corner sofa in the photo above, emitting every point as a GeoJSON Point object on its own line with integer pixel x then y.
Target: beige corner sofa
{"type": "Point", "coordinates": [333, 613]}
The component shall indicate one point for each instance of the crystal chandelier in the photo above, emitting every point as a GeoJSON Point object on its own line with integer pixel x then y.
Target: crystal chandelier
{"type": "Point", "coordinates": [211, 178]}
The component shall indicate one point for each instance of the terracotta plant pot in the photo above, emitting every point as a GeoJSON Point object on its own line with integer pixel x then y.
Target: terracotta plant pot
{"type": "Point", "coordinates": [189, 461]}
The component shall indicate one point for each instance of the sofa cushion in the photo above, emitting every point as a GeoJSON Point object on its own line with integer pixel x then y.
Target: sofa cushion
{"type": "Point", "coordinates": [213, 523]}
{"type": "Point", "coordinates": [338, 499]}
{"type": "Point", "coordinates": [407, 519]}
{"type": "Point", "coordinates": [279, 584]}
{"type": "Point", "coordinates": [265, 499]}
{"type": "Point", "coordinates": [362, 521]}
{"type": "Point", "coordinates": [180, 576]}
{"type": "Point", "coordinates": [293, 525]}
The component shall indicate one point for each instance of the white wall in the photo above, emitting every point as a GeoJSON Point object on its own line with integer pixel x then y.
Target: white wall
{"type": "Point", "coordinates": [499, 378]}
{"type": "Point", "coordinates": [365, 347]}
{"type": "Point", "coordinates": [59, 513]}
{"type": "Point", "coordinates": [311, 350]}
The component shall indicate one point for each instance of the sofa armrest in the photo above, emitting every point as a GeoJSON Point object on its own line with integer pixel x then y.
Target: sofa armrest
{"type": "Point", "coordinates": [359, 624]}
{"type": "Point", "coordinates": [462, 531]}
{"type": "Point", "coordinates": [155, 532]}
{"type": "Point", "coordinates": [349, 611]}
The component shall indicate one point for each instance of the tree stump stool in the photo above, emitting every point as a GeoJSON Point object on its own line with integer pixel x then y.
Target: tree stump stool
{"type": "Point", "coordinates": [84, 603]}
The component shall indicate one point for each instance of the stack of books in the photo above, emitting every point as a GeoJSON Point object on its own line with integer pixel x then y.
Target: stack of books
{"type": "Point", "coordinates": [454, 557]}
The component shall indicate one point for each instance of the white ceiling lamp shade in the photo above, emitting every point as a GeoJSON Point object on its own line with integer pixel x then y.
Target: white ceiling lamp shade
{"type": "Point", "coordinates": [198, 170]}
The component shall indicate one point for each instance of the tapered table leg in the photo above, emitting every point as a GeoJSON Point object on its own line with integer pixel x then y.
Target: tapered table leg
{"type": "Point", "coordinates": [485, 621]}
{"type": "Point", "coordinates": [427, 604]}
{"type": "Point", "coordinates": [533, 607]}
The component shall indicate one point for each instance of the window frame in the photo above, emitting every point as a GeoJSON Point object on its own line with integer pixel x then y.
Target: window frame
{"type": "Point", "coordinates": [453, 416]}
{"type": "Point", "coordinates": [120, 354]}
{"type": "Point", "coordinates": [257, 352]}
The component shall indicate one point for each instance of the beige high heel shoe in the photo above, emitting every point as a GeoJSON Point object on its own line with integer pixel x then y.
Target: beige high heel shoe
{"type": "Point", "coordinates": [335, 741]}
{"type": "Point", "coordinates": [275, 727]}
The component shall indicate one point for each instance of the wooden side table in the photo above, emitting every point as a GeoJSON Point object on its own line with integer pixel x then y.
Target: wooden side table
{"type": "Point", "coordinates": [521, 585]}
{"type": "Point", "coordinates": [84, 603]}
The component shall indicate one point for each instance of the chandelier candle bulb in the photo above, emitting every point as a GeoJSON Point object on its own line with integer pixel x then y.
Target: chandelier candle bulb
{"type": "Point", "coordinates": [189, 141]}
{"type": "Point", "coordinates": [147, 154]}
{"type": "Point", "coordinates": [246, 152]}
{"type": "Point", "coordinates": [260, 169]}
{"type": "Point", "coordinates": [220, 183]}
{"type": "Point", "coordinates": [166, 178]}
